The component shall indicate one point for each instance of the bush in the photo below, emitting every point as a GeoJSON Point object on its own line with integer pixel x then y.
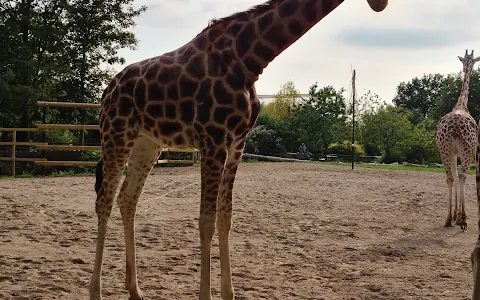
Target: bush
{"type": "Point", "coordinates": [345, 148]}
{"type": "Point", "coordinates": [392, 157]}
{"type": "Point", "coordinates": [262, 140]}
{"type": "Point", "coordinates": [90, 156]}
{"type": "Point", "coordinates": [60, 137]}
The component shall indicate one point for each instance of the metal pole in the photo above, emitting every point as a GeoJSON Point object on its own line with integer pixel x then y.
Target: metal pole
{"type": "Point", "coordinates": [353, 120]}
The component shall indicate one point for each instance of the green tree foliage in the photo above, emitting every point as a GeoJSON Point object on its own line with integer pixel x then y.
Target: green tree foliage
{"type": "Point", "coordinates": [400, 132]}
{"type": "Point", "coordinates": [419, 95]}
{"type": "Point", "coordinates": [59, 50]}
{"type": "Point", "coordinates": [97, 30]}
{"type": "Point", "coordinates": [31, 57]}
{"type": "Point", "coordinates": [387, 132]}
{"type": "Point", "coordinates": [450, 92]}
{"type": "Point", "coordinates": [280, 107]}
{"type": "Point", "coordinates": [321, 119]}
{"type": "Point", "coordinates": [367, 102]}
{"type": "Point", "coordinates": [54, 50]}
{"type": "Point", "coordinates": [421, 146]}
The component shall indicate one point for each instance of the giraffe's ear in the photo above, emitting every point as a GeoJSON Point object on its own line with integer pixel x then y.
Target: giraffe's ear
{"type": "Point", "coordinates": [477, 59]}
{"type": "Point", "coordinates": [460, 58]}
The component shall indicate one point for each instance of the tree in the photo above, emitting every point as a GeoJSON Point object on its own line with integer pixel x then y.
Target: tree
{"type": "Point", "coordinates": [367, 103]}
{"type": "Point", "coordinates": [283, 101]}
{"type": "Point", "coordinates": [419, 95]}
{"type": "Point", "coordinates": [421, 144]}
{"type": "Point", "coordinates": [450, 91]}
{"type": "Point", "coordinates": [321, 119]}
{"type": "Point", "coordinates": [388, 130]}
{"type": "Point", "coordinates": [97, 30]}
{"type": "Point", "coordinates": [30, 57]}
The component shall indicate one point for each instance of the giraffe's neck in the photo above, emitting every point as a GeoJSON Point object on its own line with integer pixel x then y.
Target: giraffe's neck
{"type": "Point", "coordinates": [268, 34]}
{"type": "Point", "coordinates": [462, 101]}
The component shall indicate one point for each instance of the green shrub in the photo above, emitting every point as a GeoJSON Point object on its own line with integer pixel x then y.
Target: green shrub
{"type": "Point", "coordinates": [263, 141]}
{"type": "Point", "coordinates": [60, 137]}
{"type": "Point", "coordinates": [345, 148]}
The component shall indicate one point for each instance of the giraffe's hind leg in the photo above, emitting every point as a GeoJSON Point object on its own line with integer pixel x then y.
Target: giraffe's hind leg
{"type": "Point", "coordinates": [109, 173]}
{"type": "Point", "coordinates": [455, 188]}
{"type": "Point", "coordinates": [447, 165]}
{"type": "Point", "coordinates": [466, 160]}
{"type": "Point", "coordinates": [145, 153]}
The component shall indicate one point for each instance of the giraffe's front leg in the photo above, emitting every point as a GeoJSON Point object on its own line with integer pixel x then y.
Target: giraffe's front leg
{"type": "Point", "coordinates": [144, 154]}
{"type": "Point", "coordinates": [213, 163]}
{"type": "Point", "coordinates": [224, 219]}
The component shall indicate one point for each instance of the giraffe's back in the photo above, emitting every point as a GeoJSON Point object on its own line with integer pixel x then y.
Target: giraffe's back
{"type": "Point", "coordinates": [179, 98]}
{"type": "Point", "coordinates": [456, 130]}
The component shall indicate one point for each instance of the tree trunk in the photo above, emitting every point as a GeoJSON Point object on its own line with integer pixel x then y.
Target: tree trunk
{"type": "Point", "coordinates": [25, 9]}
{"type": "Point", "coordinates": [83, 72]}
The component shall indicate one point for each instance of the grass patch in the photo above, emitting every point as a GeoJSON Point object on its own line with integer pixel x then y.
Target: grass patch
{"type": "Point", "coordinates": [17, 176]}
{"type": "Point", "coordinates": [416, 168]}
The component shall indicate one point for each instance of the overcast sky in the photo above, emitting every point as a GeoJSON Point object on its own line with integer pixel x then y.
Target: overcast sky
{"type": "Point", "coordinates": [410, 38]}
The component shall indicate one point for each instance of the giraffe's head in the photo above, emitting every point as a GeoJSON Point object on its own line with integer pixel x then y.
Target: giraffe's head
{"type": "Point", "coordinates": [378, 5]}
{"type": "Point", "coordinates": [468, 61]}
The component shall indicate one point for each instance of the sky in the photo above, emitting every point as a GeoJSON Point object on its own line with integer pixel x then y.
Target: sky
{"type": "Point", "coordinates": [408, 39]}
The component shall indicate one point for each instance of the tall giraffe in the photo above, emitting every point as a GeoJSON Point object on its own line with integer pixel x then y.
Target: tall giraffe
{"type": "Point", "coordinates": [475, 255]}
{"type": "Point", "coordinates": [456, 135]}
{"type": "Point", "coordinates": [200, 95]}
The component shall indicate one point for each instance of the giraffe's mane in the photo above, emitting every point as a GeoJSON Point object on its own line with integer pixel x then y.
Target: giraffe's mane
{"type": "Point", "coordinates": [256, 10]}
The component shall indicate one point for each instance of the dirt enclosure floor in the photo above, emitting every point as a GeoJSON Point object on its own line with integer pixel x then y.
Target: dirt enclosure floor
{"type": "Point", "coordinates": [301, 231]}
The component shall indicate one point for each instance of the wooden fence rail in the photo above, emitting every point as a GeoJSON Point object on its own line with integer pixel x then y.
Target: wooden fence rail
{"type": "Point", "coordinates": [194, 153]}
{"type": "Point", "coordinates": [68, 104]}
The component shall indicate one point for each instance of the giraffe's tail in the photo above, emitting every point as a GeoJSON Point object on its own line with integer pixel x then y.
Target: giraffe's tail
{"type": "Point", "coordinates": [99, 176]}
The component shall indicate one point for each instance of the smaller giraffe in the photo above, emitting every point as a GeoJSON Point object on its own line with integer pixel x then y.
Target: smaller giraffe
{"type": "Point", "coordinates": [456, 136]}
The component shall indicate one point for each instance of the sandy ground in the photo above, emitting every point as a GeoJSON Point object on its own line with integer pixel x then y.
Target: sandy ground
{"type": "Point", "coordinates": [301, 231]}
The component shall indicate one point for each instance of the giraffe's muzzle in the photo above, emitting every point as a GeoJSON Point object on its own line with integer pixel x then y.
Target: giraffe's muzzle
{"type": "Point", "coordinates": [378, 5]}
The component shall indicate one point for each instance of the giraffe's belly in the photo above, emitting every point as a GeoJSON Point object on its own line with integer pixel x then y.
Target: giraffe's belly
{"type": "Point", "coordinates": [180, 139]}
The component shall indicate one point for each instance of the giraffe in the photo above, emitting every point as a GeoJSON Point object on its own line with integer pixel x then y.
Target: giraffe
{"type": "Point", "coordinates": [456, 135]}
{"type": "Point", "coordinates": [475, 255]}
{"type": "Point", "coordinates": [200, 95]}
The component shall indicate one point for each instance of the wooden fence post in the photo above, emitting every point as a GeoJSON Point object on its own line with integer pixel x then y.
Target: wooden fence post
{"type": "Point", "coordinates": [14, 140]}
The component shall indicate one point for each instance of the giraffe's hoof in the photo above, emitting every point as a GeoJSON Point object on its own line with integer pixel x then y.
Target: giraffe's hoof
{"type": "Point", "coordinates": [463, 225]}
{"type": "Point", "coordinates": [138, 296]}
{"type": "Point", "coordinates": [448, 223]}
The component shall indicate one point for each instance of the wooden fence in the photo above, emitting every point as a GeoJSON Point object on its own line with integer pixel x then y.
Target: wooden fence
{"type": "Point", "coordinates": [194, 153]}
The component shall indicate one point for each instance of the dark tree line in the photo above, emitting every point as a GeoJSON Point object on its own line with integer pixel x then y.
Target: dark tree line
{"type": "Point", "coordinates": [402, 131]}
{"type": "Point", "coordinates": [53, 50]}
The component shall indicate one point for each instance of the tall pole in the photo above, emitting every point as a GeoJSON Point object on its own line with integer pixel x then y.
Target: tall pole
{"type": "Point", "coordinates": [353, 120]}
